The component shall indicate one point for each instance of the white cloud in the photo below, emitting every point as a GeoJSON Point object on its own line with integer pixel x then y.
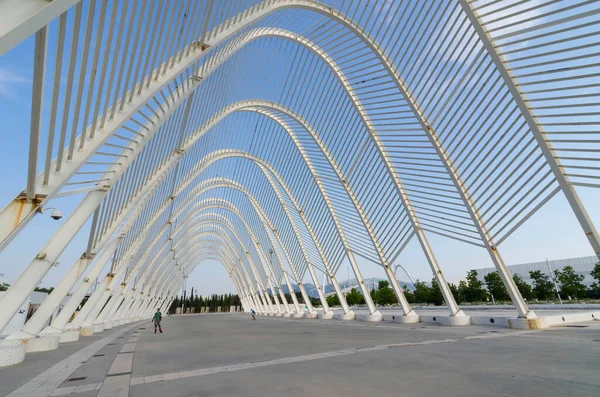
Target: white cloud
{"type": "Point", "coordinates": [8, 81]}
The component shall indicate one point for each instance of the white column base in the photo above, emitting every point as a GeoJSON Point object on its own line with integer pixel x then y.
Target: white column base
{"type": "Point", "coordinates": [310, 315]}
{"type": "Point", "coordinates": [70, 334]}
{"type": "Point", "coordinates": [526, 323]}
{"type": "Point", "coordinates": [287, 315]}
{"type": "Point", "coordinates": [456, 321]}
{"type": "Point", "coordinates": [98, 327]}
{"type": "Point", "coordinates": [377, 316]}
{"type": "Point", "coordinates": [345, 316]}
{"type": "Point", "coordinates": [36, 344]}
{"type": "Point", "coordinates": [86, 330]}
{"type": "Point", "coordinates": [410, 318]}
{"type": "Point", "coordinates": [326, 316]}
{"type": "Point", "coordinates": [297, 315]}
{"type": "Point", "coordinates": [107, 324]}
{"type": "Point", "coordinates": [11, 355]}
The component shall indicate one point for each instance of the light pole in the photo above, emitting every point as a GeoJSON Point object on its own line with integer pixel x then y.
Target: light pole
{"type": "Point", "coordinates": [183, 293]}
{"type": "Point", "coordinates": [553, 280]}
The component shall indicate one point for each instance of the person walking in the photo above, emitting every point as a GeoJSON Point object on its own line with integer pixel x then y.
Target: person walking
{"type": "Point", "coordinates": [253, 314]}
{"type": "Point", "coordinates": [156, 320]}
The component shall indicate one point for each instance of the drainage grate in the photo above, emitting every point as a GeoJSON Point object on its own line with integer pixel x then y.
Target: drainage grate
{"type": "Point", "coordinates": [575, 326]}
{"type": "Point", "coordinates": [74, 379]}
{"type": "Point", "coordinates": [98, 355]}
{"type": "Point", "coordinates": [110, 344]}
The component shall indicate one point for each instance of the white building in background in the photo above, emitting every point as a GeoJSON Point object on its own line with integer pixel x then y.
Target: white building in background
{"type": "Point", "coordinates": [583, 265]}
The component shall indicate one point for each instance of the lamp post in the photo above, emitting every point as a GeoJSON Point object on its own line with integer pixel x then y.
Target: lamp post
{"type": "Point", "coordinates": [183, 293]}
{"type": "Point", "coordinates": [553, 280]}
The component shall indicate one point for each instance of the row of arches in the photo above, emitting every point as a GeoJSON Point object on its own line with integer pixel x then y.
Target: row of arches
{"type": "Point", "coordinates": [175, 182]}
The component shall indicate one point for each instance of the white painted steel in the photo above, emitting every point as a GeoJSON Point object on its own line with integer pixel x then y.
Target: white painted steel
{"type": "Point", "coordinates": [159, 112]}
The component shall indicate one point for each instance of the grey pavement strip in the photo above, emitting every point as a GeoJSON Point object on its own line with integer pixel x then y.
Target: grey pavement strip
{"type": "Point", "coordinates": [46, 382]}
{"type": "Point", "coordinates": [309, 357]}
{"type": "Point", "coordinates": [286, 360]}
{"type": "Point", "coordinates": [120, 369]}
{"type": "Point", "coordinates": [122, 364]}
{"type": "Point", "coordinates": [61, 391]}
{"type": "Point", "coordinates": [118, 378]}
{"type": "Point", "coordinates": [128, 348]}
{"type": "Point", "coordinates": [115, 386]}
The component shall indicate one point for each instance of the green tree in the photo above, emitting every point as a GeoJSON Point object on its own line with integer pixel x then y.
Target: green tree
{"type": "Point", "coordinates": [570, 282]}
{"type": "Point", "coordinates": [435, 295]}
{"type": "Point", "coordinates": [457, 293]}
{"type": "Point", "coordinates": [463, 288]}
{"type": "Point", "coordinates": [542, 286]}
{"type": "Point", "coordinates": [524, 287]}
{"type": "Point", "coordinates": [374, 295]}
{"type": "Point", "coordinates": [495, 286]}
{"type": "Point", "coordinates": [4, 287]}
{"type": "Point", "coordinates": [386, 295]}
{"type": "Point", "coordinates": [354, 297]}
{"type": "Point", "coordinates": [333, 300]}
{"type": "Point", "coordinates": [410, 297]}
{"type": "Point", "coordinates": [595, 287]}
{"type": "Point", "coordinates": [422, 292]}
{"type": "Point", "coordinates": [473, 288]}
{"type": "Point", "coordinates": [44, 289]}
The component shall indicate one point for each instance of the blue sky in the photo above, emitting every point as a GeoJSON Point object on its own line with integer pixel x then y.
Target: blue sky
{"type": "Point", "coordinates": [551, 233]}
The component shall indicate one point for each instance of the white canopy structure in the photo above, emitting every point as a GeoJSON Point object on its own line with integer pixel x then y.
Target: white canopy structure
{"type": "Point", "coordinates": [285, 137]}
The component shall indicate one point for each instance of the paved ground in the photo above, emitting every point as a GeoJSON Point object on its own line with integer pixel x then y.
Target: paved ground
{"type": "Point", "coordinates": [231, 355]}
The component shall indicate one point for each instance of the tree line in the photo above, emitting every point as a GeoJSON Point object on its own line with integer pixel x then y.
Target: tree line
{"type": "Point", "coordinates": [211, 303]}
{"type": "Point", "coordinates": [472, 290]}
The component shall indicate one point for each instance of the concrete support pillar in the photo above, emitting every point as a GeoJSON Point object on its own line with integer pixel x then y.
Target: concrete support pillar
{"type": "Point", "coordinates": [18, 292]}
{"type": "Point", "coordinates": [39, 319]}
{"type": "Point", "coordinates": [307, 302]}
{"type": "Point", "coordinates": [89, 306]}
{"type": "Point", "coordinates": [113, 303]}
{"type": "Point", "coordinates": [313, 275]}
{"type": "Point", "coordinates": [292, 293]}
{"type": "Point", "coordinates": [275, 297]}
{"type": "Point", "coordinates": [282, 296]}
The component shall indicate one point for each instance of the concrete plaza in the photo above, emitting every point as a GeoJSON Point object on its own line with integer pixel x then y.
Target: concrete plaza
{"type": "Point", "coordinates": [231, 355]}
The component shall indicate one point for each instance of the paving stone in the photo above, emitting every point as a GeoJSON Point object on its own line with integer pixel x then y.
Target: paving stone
{"type": "Point", "coordinates": [152, 379]}
{"type": "Point", "coordinates": [136, 381]}
{"type": "Point", "coordinates": [171, 376]}
{"type": "Point", "coordinates": [122, 364]}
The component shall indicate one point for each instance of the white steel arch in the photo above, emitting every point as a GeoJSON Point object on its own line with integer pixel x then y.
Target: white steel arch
{"type": "Point", "coordinates": [125, 134]}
